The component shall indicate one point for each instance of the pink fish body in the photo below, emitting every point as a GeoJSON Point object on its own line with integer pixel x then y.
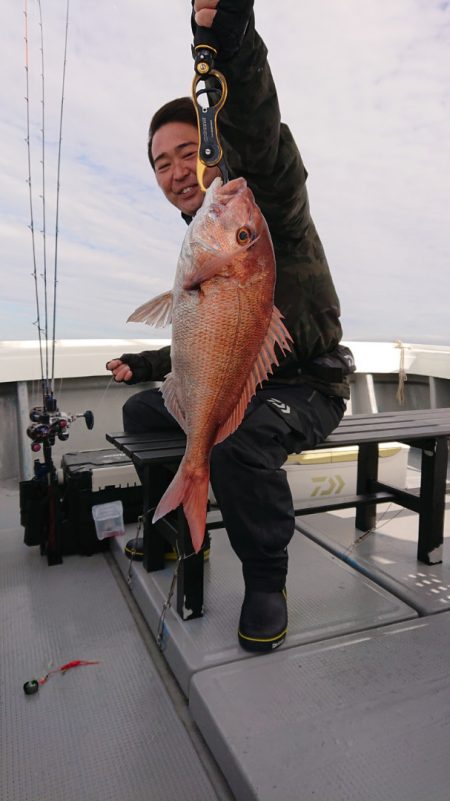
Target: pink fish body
{"type": "Point", "coordinates": [224, 331]}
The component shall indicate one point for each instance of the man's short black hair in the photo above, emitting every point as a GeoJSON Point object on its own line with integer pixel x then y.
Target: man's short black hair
{"type": "Point", "coordinates": [179, 110]}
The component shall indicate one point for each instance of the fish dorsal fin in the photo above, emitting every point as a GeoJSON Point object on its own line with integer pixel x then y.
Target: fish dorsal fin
{"type": "Point", "coordinates": [169, 393]}
{"type": "Point", "coordinates": [277, 334]}
{"type": "Point", "coordinates": [157, 311]}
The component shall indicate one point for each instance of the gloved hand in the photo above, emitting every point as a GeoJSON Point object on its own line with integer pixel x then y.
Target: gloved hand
{"type": "Point", "coordinates": [131, 368]}
{"type": "Point", "coordinates": [226, 20]}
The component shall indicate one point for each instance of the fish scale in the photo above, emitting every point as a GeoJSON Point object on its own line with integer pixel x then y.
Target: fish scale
{"type": "Point", "coordinates": [214, 368]}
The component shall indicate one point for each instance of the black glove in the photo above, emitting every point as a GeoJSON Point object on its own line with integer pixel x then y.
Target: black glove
{"type": "Point", "coordinates": [333, 366]}
{"type": "Point", "coordinates": [228, 27]}
{"type": "Point", "coordinates": [139, 365]}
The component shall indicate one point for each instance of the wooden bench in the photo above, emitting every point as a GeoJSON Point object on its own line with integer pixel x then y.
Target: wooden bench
{"type": "Point", "coordinates": [158, 456]}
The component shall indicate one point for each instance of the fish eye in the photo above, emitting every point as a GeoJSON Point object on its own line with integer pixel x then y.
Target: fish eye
{"type": "Point", "coordinates": [243, 235]}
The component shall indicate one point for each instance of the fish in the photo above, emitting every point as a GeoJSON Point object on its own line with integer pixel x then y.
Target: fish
{"type": "Point", "coordinates": [224, 331]}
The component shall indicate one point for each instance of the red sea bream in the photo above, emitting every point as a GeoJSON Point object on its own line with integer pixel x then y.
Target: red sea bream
{"type": "Point", "coordinates": [224, 331]}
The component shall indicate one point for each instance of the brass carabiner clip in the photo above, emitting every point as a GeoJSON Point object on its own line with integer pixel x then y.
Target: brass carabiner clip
{"type": "Point", "coordinates": [210, 153]}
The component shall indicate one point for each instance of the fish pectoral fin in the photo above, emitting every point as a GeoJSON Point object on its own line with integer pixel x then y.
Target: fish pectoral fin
{"type": "Point", "coordinates": [277, 334]}
{"type": "Point", "coordinates": [157, 311]}
{"type": "Point", "coordinates": [169, 393]}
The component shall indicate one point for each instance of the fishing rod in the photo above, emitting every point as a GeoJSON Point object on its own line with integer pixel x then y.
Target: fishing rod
{"type": "Point", "coordinates": [209, 93]}
{"type": "Point", "coordinates": [30, 192]}
{"type": "Point", "coordinates": [44, 225]}
{"type": "Point", "coordinates": [58, 185]}
{"type": "Point", "coordinates": [48, 423]}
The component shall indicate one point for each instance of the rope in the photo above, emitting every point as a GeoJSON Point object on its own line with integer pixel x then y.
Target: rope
{"type": "Point", "coordinates": [402, 375]}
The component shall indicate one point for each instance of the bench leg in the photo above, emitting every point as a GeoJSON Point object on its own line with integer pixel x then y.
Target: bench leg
{"type": "Point", "coordinates": [432, 502]}
{"type": "Point", "coordinates": [189, 590]}
{"type": "Point", "coordinates": [190, 574]}
{"type": "Point", "coordinates": [366, 516]}
{"type": "Point", "coordinates": [152, 489]}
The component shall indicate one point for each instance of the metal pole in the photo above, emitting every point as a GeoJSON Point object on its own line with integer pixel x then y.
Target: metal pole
{"type": "Point", "coordinates": [23, 421]}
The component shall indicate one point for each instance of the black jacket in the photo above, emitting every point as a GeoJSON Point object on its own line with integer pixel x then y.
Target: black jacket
{"type": "Point", "coordinates": [260, 148]}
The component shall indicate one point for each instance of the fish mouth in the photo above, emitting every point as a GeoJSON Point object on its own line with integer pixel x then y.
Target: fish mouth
{"type": "Point", "coordinates": [221, 195]}
{"type": "Point", "coordinates": [233, 189]}
{"type": "Point", "coordinates": [234, 186]}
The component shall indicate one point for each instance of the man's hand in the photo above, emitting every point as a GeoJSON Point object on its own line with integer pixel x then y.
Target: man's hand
{"type": "Point", "coordinates": [204, 12]}
{"type": "Point", "coordinates": [132, 368]}
{"type": "Point", "coordinates": [120, 370]}
{"type": "Point", "coordinates": [228, 21]}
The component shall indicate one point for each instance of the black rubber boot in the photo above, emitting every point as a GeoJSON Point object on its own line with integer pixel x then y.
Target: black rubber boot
{"type": "Point", "coordinates": [263, 621]}
{"type": "Point", "coordinates": [134, 549]}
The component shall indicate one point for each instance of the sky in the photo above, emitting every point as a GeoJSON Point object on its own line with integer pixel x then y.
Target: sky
{"type": "Point", "coordinates": [364, 86]}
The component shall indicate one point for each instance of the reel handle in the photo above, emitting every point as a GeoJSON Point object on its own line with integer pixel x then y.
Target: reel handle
{"type": "Point", "coordinates": [89, 419]}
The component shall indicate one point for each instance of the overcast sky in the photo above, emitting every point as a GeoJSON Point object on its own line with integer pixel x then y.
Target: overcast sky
{"type": "Point", "coordinates": [364, 86]}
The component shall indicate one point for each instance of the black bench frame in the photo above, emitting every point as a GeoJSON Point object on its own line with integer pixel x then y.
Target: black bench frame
{"type": "Point", "coordinates": [159, 454]}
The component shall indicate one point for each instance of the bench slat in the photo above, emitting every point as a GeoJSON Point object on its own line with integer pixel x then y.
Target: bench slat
{"type": "Point", "coordinates": [353, 429]}
{"type": "Point", "coordinates": [426, 429]}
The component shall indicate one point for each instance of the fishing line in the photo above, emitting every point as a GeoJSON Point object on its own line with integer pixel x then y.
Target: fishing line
{"type": "Point", "coordinates": [102, 399]}
{"type": "Point", "coordinates": [57, 192]}
{"type": "Point", "coordinates": [365, 534]}
{"type": "Point", "coordinates": [161, 630]}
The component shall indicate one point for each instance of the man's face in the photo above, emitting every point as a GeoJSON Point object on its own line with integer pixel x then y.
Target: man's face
{"type": "Point", "coordinates": [174, 151]}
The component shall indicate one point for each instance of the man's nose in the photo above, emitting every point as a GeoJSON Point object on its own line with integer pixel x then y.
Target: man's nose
{"type": "Point", "coordinates": [180, 169]}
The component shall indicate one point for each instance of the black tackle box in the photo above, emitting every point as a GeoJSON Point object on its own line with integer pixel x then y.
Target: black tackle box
{"type": "Point", "coordinates": [87, 478]}
{"type": "Point", "coordinates": [91, 478]}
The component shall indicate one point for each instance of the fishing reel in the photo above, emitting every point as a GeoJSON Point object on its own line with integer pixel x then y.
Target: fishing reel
{"type": "Point", "coordinates": [41, 504]}
{"type": "Point", "coordinates": [48, 423]}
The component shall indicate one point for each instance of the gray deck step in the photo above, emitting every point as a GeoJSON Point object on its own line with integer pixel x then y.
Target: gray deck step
{"type": "Point", "coordinates": [359, 718]}
{"type": "Point", "coordinates": [326, 598]}
{"type": "Point", "coordinates": [388, 555]}
{"type": "Point", "coordinates": [107, 732]}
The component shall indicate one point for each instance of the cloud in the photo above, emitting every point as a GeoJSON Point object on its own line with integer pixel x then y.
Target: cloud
{"type": "Point", "coordinates": [364, 88]}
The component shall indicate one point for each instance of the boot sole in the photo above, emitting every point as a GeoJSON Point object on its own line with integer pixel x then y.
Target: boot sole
{"type": "Point", "coordinates": [169, 556]}
{"type": "Point", "coordinates": [261, 644]}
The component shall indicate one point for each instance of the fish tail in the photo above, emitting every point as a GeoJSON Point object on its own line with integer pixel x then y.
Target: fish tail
{"type": "Point", "coordinates": [190, 488]}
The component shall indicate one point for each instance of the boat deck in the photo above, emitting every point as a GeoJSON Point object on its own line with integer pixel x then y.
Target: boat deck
{"type": "Point", "coordinates": [355, 706]}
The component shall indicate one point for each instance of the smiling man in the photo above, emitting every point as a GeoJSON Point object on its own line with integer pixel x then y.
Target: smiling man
{"type": "Point", "coordinates": [173, 150]}
{"type": "Point", "coordinates": [304, 400]}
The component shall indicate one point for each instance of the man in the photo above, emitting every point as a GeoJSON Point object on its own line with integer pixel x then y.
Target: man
{"type": "Point", "coordinates": [305, 398]}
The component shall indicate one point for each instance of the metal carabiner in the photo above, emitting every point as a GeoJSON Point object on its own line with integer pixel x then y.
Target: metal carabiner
{"type": "Point", "coordinates": [210, 153]}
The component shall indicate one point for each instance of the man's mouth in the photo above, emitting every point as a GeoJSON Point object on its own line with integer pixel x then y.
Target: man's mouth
{"type": "Point", "coordinates": [188, 189]}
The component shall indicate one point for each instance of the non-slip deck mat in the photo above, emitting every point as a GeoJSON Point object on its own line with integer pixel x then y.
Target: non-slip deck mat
{"type": "Point", "coordinates": [325, 598]}
{"type": "Point", "coordinates": [105, 732]}
{"type": "Point", "coordinates": [388, 555]}
{"type": "Point", "coordinates": [359, 718]}
{"type": "Point", "coordinates": [9, 504]}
